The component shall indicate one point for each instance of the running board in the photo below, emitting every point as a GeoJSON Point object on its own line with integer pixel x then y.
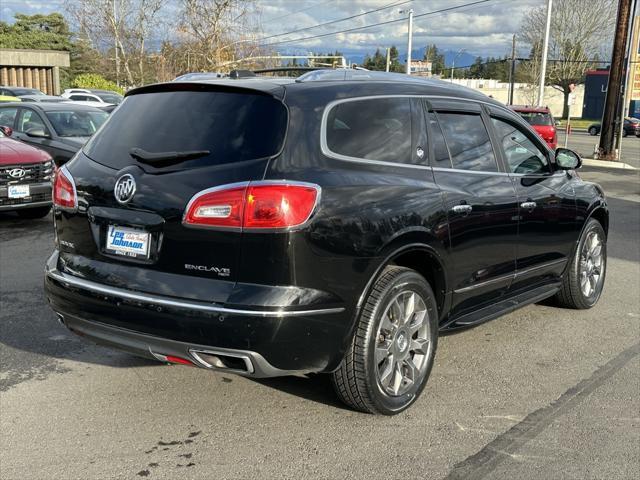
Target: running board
{"type": "Point", "coordinates": [501, 308]}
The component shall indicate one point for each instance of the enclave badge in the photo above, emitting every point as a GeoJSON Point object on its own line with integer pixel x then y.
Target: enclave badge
{"type": "Point", "coordinates": [125, 188]}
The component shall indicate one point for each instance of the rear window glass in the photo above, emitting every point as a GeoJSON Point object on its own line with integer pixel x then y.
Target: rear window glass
{"type": "Point", "coordinates": [537, 118]}
{"type": "Point", "coordinates": [232, 126]}
{"type": "Point", "coordinates": [374, 129]}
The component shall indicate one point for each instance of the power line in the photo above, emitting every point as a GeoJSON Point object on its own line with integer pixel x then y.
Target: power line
{"type": "Point", "coordinates": [364, 27]}
{"type": "Point", "coordinates": [298, 11]}
{"type": "Point", "coordinates": [389, 5]}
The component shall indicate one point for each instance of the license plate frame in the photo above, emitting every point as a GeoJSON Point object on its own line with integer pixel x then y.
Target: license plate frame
{"type": "Point", "coordinates": [18, 191]}
{"type": "Point", "coordinates": [128, 242]}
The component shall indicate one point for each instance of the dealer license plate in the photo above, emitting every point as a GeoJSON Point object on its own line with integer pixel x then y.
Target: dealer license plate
{"type": "Point", "coordinates": [18, 191]}
{"type": "Point", "coordinates": [127, 242]}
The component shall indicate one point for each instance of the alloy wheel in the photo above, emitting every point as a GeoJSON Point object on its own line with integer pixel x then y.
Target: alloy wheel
{"type": "Point", "coordinates": [402, 343]}
{"type": "Point", "coordinates": [592, 265]}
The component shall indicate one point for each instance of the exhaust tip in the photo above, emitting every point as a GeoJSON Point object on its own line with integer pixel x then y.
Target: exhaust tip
{"type": "Point", "coordinates": [224, 361]}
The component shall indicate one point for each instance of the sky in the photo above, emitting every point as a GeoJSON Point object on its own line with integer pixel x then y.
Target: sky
{"type": "Point", "coordinates": [483, 29]}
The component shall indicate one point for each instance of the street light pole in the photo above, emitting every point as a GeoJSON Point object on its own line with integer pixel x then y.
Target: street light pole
{"type": "Point", "coordinates": [545, 51]}
{"type": "Point", "coordinates": [453, 63]}
{"type": "Point", "coordinates": [409, 40]}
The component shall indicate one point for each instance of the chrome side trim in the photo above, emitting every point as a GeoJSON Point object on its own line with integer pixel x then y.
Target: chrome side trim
{"type": "Point", "coordinates": [485, 283]}
{"type": "Point", "coordinates": [515, 276]}
{"type": "Point", "coordinates": [552, 263]}
{"type": "Point", "coordinates": [69, 280]}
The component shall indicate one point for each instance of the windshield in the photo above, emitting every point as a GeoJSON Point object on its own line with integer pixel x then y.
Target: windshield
{"type": "Point", "coordinates": [110, 97]}
{"type": "Point", "coordinates": [537, 118]}
{"type": "Point", "coordinates": [231, 126]}
{"type": "Point", "coordinates": [76, 123]}
{"type": "Point", "coordinates": [26, 91]}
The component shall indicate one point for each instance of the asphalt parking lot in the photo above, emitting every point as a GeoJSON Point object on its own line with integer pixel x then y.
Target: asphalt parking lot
{"type": "Point", "coordinates": [540, 393]}
{"type": "Point", "coordinates": [585, 144]}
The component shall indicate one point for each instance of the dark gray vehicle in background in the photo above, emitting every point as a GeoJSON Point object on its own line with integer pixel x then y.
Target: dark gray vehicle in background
{"type": "Point", "coordinates": [60, 129]}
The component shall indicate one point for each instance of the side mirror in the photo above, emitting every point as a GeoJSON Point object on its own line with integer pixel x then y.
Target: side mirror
{"type": "Point", "coordinates": [6, 130]}
{"type": "Point", "coordinates": [37, 133]}
{"type": "Point", "coordinates": [567, 159]}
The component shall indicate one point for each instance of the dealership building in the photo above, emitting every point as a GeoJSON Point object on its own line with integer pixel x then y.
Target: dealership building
{"type": "Point", "coordinates": [32, 68]}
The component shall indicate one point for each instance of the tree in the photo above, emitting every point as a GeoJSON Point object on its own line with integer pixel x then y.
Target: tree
{"type": "Point", "coordinates": [92, 80]}
{"type": "Point", "coordinates": [218, 30]}
{"type": "Point", "coordinates": [42, 32]}
{"type": "Point", "coordinates": [122, 26]}
{"type": "Point", "coordinates": [579, 29]}
{"type": "Point", "coordinates": [436, 58]}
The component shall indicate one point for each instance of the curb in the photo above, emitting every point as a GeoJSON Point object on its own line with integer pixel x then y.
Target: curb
{"type": "Point", "coordinates": [607, 164]}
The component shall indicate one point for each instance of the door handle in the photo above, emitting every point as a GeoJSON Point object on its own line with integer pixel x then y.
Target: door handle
{"type": "Point", "coordinates": [465, 209]}
{"type": "Point", "coordinates": [528, 205]}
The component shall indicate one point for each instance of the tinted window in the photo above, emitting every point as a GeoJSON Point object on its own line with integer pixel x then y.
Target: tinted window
{"type": "Point", "coordinates": [468, 142]}
{"type": "Point", "coordinates": [440, 153]}
{"type": "Point", "coordinates": [521, 153]}
{"type": "Point", "coordinates": [8, 116]}
{"type": "Point", "coordinates": [231, 126]}
{"type": "Point", "coordinates": [81, 98]}
{"type": "Point", "coordinates": [30, 120]}
{"type": "Point", "coordinates": [537, 118]}
{"type": "Point", "coordinates": [76, 123]}
{"type": "Point", "coordinates": [374, 129]}
{"type": "Point", "coordinates": [110, 97]}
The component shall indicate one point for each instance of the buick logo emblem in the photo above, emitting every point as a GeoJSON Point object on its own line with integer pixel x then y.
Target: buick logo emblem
{"type": "Point", "coordinates": [17, 173]}
{"type": "Point", "coordinates": [125, 189]}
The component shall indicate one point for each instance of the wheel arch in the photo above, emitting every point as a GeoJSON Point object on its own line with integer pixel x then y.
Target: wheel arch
{"type": "Point", "coordinates": [420, 257]}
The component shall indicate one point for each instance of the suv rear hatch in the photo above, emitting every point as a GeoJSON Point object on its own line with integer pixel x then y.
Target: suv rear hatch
{"type": "Point", "coordinates": [166, 143]}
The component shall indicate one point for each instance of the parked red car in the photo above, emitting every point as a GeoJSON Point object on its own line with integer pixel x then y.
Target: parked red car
{"type": "Point", "coordinates": [541, 120]}
{"type": "Point", "coordinates": [25, 177]}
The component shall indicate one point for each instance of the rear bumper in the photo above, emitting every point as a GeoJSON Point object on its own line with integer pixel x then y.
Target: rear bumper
{"type": "Point", "coordinates": [267, 342]}
{"type": "Point", "coordinates": [40, 196]}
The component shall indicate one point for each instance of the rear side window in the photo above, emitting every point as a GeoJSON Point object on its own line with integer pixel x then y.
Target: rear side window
{"type": "Point", "coordinates": [372, 129]}
{"type": "Point", "coordinates": [232, 126]}
{"type": "Point", "coordinates": [468, 142]}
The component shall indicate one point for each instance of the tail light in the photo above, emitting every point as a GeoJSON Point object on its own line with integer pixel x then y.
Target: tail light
{"type": "Point", "coordinates": [64, 190]}
{"type": "Point", "coordinates": [253, 206]}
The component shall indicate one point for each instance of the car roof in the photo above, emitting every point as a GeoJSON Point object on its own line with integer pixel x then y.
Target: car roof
{"type": "Point", "coordinates": [53, 106]}
{"type": "Point", "coordinates": [380, 83]}
{"type": "Point", "coordinates": [530, 109]}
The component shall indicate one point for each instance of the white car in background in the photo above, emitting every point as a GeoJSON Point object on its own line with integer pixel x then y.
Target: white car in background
{"type": "Point", "coordinates": [93, 98]}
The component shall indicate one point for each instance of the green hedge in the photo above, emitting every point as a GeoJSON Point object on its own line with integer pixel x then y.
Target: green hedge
{"type": "Point", "coordinates": [93, 80]}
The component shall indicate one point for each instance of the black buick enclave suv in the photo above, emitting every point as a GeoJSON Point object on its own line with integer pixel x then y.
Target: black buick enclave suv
{"type": "Point", "coordinates": [332, 223]}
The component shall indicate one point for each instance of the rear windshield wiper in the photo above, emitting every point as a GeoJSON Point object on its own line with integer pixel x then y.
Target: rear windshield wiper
{"type": "Point", "coordinates": [162, 159]}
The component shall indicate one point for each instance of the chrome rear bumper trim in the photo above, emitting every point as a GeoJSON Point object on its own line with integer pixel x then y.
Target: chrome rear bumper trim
{"type": "Point", "coordinates": [81, 283]}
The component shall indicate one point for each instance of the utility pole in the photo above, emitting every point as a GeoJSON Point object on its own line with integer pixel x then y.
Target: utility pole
{"type": "Point", "coordinates": [409, 39]}
{"type": "Point", "coordinates": [624, 108]}
{"type": "Point", "coordinates": [512, 70]}
{"type": "Point", "coordinates": [606, 150]}
{"type": "Point", "coordinates": [545, 51]}
{"type": "Point", "coordinates": [115, 42]}
{"type": "Point", "coordinates": [388, 59]}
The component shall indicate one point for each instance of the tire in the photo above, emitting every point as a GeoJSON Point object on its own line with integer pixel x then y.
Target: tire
{"type": "Point", "coordinates": [37, 212]}
{"type": "Point", "coordinates": [404, 350]}
{"type": "Point", "coordinates": [624, 133]}
{"type": "Point", "coordinates": [593, 131]}
{"type": "Point", "coordinates": [580, 289]}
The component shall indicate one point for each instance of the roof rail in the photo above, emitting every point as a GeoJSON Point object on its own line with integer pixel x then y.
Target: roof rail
{"type": "Point", "coordinates": [241, 74]}
{"type": "Point", "coordinates": [348, 74]}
